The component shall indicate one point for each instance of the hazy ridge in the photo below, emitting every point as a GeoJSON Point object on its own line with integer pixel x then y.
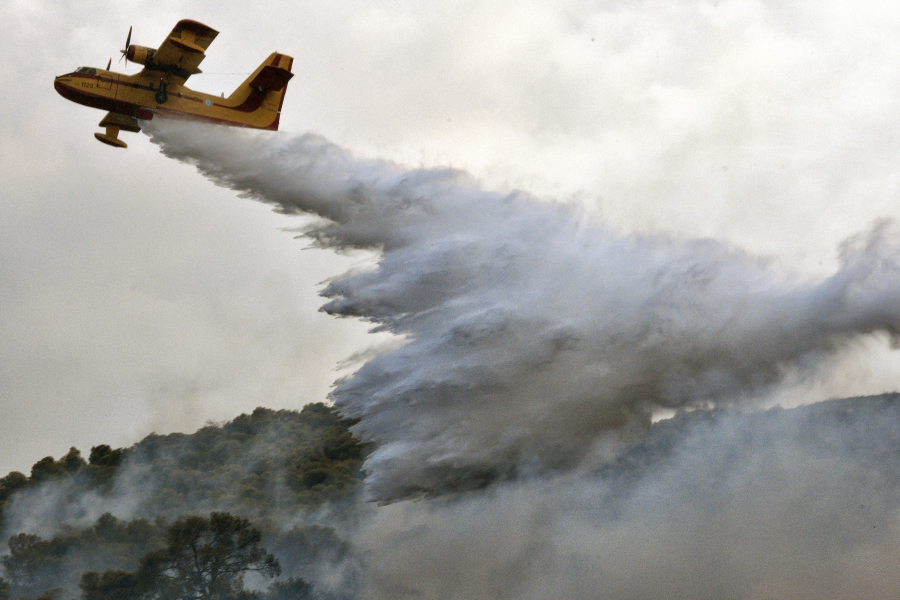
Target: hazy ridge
{"type": "Point", "coordinates": [297, 476]}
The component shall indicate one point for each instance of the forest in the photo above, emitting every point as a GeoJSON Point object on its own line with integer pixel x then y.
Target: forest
{"type": "Point", "coordinates": [269, 506]}
{"type": "Point", "coordinates": [243, 494]}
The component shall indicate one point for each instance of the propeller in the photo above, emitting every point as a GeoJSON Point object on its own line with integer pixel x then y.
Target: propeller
{"type": "Point", "coordinates": [127, 45]}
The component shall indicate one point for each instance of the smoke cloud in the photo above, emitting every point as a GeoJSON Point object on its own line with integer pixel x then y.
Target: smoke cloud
{"type": "Point", "coordinates": [535, 339]}
{"type": "Point", "coordinates": [785, 504]}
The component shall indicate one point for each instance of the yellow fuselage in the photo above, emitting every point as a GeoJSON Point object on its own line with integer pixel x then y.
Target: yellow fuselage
{"type": "Point", "coordinates": [139, 96]}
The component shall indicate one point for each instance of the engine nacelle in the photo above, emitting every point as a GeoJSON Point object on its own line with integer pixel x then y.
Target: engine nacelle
{"type": "Point", "coordinates": [140, 54]}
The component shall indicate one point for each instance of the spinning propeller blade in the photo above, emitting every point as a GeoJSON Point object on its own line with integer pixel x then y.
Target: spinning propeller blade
{"type": "Point", "coordinates": [127, 45]}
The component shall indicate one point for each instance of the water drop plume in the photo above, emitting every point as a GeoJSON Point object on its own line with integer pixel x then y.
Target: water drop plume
{"type": "Point", "coordinates": [534, 337]}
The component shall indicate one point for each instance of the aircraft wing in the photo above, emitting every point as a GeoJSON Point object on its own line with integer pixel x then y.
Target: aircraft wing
{"type": "Point", "coordinates": [181, 52]}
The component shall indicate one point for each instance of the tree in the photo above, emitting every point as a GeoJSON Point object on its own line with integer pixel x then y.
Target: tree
{"type": "Point", "coordinates": [4, 589]}
{"type": "Point", "coordinates": [72, 462]}
{"type": "Point", "coordinates": [104, 456]}
{"type": "Point", "coordinates": [9, 485]}
{"type": "Point", "coordinates": [292, 589]}
{"type": "Point", "coordinates": [112, 585]}
{"type": "Point", "coordinates": [206, 559]}
{"type": "Point", "coordinates": [103, 464]}
{"type": "Point", "coordinates": [33, 564]}
{"type": "Point", "coordinates": [47, 468]}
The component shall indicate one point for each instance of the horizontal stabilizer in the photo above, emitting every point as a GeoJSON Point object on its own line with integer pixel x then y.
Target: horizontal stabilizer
{"type": "Point", "coordinates": [271, 79]}
{"type": "Point", "coordinates": [111, 140]}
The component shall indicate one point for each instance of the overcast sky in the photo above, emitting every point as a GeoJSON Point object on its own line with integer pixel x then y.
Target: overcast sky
{"type": "Point", "coordinates": [135, 296]}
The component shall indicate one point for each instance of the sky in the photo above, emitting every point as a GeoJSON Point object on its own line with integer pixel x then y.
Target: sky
{"type": "Point", "coordinates": [136, 296]}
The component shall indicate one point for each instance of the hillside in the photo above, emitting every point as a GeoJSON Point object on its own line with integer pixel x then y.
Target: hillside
{"type": "Point", "coordinates": [830, 471]}
{"type": "Point", "coordinates": [275, 468]}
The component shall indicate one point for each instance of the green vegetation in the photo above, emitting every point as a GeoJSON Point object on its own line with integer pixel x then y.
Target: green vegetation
{"type": "Point", "coordinates": [9, 485]}
{"type": "Point", "coordinates": [248, 497]}
{"type": "Point", "coordinates": [35, 565]}
{"type": "Point", "coordinates": [258, 465]}
{"type": "Point", "coordinates": [217, 496]}
{"type": "Point", "coordinates": [204, 559]}
{"type": "Point", "coordinates": [207, 559]}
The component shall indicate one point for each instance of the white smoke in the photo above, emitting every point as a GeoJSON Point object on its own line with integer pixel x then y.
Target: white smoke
{"type": "Point", "coordinates": [781, 506]}
{"type": "Point", "coordinates": [534, 337]}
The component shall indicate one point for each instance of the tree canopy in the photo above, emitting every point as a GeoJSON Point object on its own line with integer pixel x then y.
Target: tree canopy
{"type": "Point", "coordinates": [206, 559]}
{"type": "Point", "coordinates": [203, 559]}
{"type": "Point", "coordinates": [257, 473]}
{"type": "Point", "coordinates": [258, 465]}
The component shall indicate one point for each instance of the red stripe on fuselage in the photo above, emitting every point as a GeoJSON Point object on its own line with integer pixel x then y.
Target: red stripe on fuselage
{"type": "Point", "coordinates": [253, 102]}
{"type": "Point", "coordinates": [95, 100]}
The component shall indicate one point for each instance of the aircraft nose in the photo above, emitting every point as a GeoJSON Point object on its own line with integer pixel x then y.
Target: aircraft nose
{"type": "Point", "coordinates": [63, 86]}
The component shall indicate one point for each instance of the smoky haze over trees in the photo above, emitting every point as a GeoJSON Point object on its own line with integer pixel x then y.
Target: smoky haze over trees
{"type": "Point", "coordinates": [204, 559]}
{"type": "Point", "coordinates": [694, 476]}
{"type": "Point", "coordinates": [220, 497]}
{"type": "Point", "coordinates": [258, 464]}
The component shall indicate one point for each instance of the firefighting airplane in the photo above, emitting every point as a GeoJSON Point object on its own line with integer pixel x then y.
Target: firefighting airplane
{"type": "Point", "coordinates": [159, 88]}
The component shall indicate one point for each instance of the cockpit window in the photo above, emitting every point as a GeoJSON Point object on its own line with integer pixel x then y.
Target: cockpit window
{"type": "Point", "coordinates": [86, 71]}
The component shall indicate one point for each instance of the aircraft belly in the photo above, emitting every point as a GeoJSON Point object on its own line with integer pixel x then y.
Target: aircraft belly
{"type": "Point", "coordinates": [213, 116]}
{"type": "Point", "coordinates": [100, 101]}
